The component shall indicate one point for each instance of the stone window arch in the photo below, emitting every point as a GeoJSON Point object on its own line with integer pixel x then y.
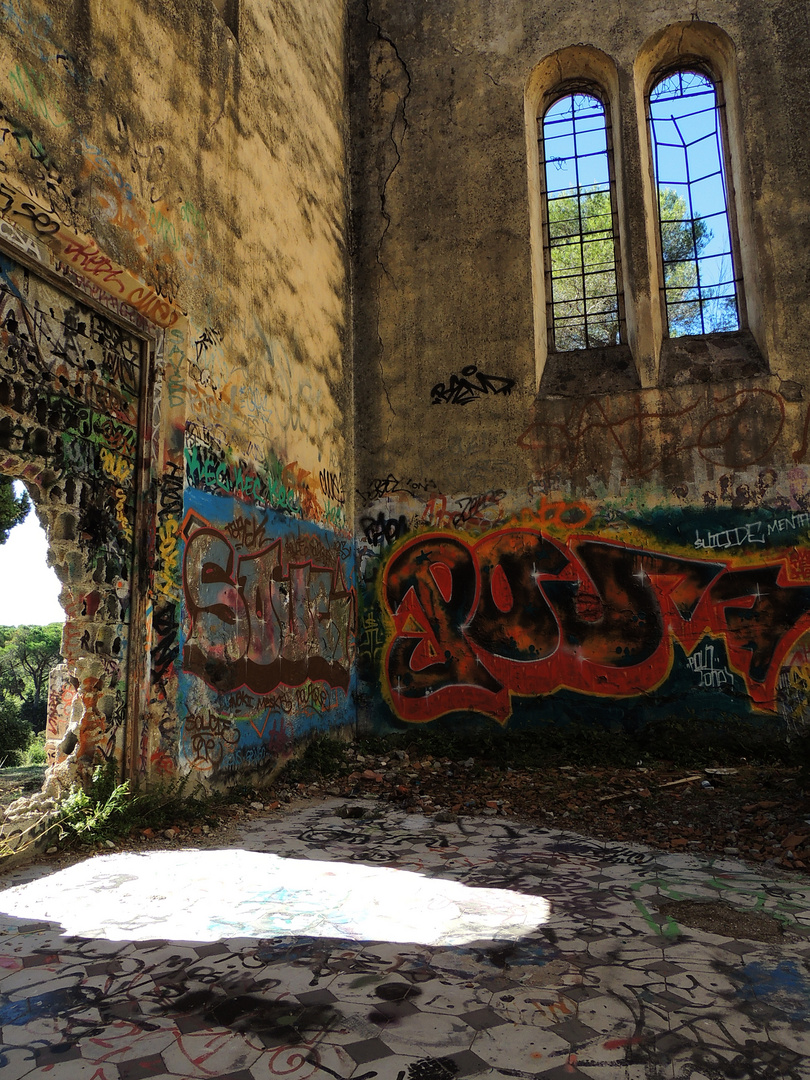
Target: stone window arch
{"type": "Point", "coordinates": [584, 294]}
{"type": "Point", "coordinates": [580, 327]}
{"type": "Point", "coordinates": [686, 61]}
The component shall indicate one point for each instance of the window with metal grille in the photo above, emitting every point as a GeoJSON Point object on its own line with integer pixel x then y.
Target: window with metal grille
{"type": "Point", "coordinates": [699, 281]}
{"type": "Point", "coordinates": [584, 293]}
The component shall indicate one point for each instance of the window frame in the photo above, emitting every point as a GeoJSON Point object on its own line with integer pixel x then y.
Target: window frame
{"type": "Point", "coordinates": [719, 355]}
{"type": "Point", "coordinates": [700, 66]}
{"type": "Point", "coordinates": [650, 358]}
{"type": "Point", "coordinates": [566, 89]}
{"type": "Point", "coordinates": [611, 368]}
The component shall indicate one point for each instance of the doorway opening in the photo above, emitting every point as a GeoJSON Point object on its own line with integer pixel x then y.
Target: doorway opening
{"type": "Point", "coordinates": [70, 383]}
{"type": "Point", "coordinates": [31, 624]}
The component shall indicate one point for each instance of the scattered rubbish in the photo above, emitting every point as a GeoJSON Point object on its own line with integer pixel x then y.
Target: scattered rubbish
{"type": "Point", "coordinates": [795, 840]}
{"type": "Point", "coordinates": [685, 780]}
{"type": "Point", "coordinates": [636, 791]}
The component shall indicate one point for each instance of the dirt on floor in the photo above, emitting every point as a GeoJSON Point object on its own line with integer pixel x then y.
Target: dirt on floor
{"type": "Point", "coordinates": [17, 782]}
{"type": "Point", "coordinates": [724, 919]}
{"type": "Point", "coordinates": [757, 813]}
{"type": "Point", "coordinates": [760, 814]}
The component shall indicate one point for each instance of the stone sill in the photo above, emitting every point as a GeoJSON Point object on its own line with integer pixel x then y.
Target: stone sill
{"type": "Point", "coordinates": [711, 358]}
{"type": "Point", "coordinates": [583, 372]}
{"type": "Point", "coordinates": [705, 358]}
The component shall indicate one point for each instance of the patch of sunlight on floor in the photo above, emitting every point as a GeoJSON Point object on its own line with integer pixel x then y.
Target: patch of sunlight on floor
{"type": "Point", "coordinates": [220, 894]}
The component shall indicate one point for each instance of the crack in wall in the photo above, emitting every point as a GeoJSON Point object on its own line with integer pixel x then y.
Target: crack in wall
{"type": "Point", "coordinates": [400, 114]}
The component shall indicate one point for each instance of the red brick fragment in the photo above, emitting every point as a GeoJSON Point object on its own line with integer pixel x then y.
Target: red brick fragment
{"type": "Point", "coordinates": [794, 840]}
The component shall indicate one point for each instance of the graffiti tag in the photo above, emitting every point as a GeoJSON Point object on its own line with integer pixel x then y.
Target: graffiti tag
{"type": "Point", "coordinates": [461, 391]}
{"type": "Point", "coordinates": [259, 620]}
{"type": "Point", "coordinates": [520, 613]}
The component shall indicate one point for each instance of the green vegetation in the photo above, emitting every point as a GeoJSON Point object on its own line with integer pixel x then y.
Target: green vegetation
{"type": "Point", "coordinates": [15, 733]}
{"type": "Point", "coordinates": [107, 810]}
{"type": "Point", "coordinates": [27, 655]}
{"type": "Point", "coordinates": [34, 753]}
{"type": "Point", "coordinates": [582, 260]}
{"type": "Point", "coordinates": [13, 508]}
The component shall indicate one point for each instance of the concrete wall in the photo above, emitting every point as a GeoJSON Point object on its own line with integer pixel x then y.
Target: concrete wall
{"type": "Point", "coordinates": [344, 412]}
{"type": "Point", "coordinates": [615, 536]}
{"type": "Point", "coordinates": [184, 173]}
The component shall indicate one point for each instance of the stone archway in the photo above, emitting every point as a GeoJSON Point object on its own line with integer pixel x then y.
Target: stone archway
{"type": "Point", "coordinates": [70, 408]}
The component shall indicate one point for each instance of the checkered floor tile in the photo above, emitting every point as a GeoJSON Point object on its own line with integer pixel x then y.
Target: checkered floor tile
{"type": "Point", "coordinates": [392, 946]}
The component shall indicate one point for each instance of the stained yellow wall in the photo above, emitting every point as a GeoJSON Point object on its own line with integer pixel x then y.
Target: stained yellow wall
{"type": "Point", "coordinates": [191, 176]}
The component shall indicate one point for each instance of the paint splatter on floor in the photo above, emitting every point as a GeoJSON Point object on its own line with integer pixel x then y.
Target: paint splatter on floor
{"type": "Point", "coordinates": [397, 948]}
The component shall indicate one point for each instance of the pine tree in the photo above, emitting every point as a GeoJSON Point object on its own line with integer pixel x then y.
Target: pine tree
{"type": "Point", "coordinates": [13, 508]}
{"type": "Point", "coordinates": [583, 268]}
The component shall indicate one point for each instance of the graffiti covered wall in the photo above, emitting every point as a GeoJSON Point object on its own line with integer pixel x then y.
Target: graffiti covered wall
{"type": "Point", "coordinates": [350, 422]}
{"type": "Point", "coordinates": [606, 535]}
{"type": "Point", "coordinates": [269, 638]}
{"type": "Point", "coordinates": [657, 562]}
{"type": "Point", "coordinates": [180, 172]}
{"type": "Point", "coordinates": [70, 403]}
{"type": "Point", "coordinates": [578, 608]}
{"type": "Point", "coordinates": [606, 609]}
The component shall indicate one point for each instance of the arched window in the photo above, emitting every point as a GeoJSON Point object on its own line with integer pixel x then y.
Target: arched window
{"type": "Point", "coordinates": [700, 284]}
{"type": "Point", "coordinates": [584, 293]}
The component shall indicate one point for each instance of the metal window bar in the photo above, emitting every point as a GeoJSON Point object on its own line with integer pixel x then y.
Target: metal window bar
{"type": "Point", "coordinates": [693, 85]}
{"type": "Point", "coordinates": [599, 316]}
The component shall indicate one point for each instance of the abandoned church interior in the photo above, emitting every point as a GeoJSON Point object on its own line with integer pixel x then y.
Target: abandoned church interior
{"type": "Point", "coordinates": [374, 363]}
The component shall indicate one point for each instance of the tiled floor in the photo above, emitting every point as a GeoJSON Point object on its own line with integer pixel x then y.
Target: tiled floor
{"type": "Point", "coordinates": [396, 948]}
